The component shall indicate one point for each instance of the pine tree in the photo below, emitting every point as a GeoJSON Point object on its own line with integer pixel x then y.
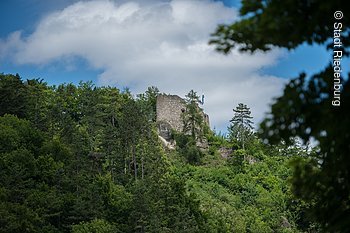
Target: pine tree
{"type": "Point", "coordinates": [193, 121]}
{"type": "Point", "coordinates": [241, 124]}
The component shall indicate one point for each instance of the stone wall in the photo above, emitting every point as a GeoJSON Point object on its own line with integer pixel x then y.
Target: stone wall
{"type": "Point", "coordinates": [169, 110]}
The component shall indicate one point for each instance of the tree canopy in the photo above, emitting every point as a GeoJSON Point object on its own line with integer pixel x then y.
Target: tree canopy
{"type": "Point", "coordinates": [241, 124]}
{"type": "Point", "coordinates": [305, 109]}
{"type": "Point", "coordinates": [81, 158]}
{"type": "Point", "coordinates": [285, 24]}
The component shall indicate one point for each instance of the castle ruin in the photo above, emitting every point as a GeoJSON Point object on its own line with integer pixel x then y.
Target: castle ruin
{"type": "Point", "coordinates": [169, 111]}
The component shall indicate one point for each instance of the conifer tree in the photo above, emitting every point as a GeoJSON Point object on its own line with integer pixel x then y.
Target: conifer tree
{"type": "Point", "coordinates": [192, 118]}
{"type": "Point", "coordinates": [241, 124]}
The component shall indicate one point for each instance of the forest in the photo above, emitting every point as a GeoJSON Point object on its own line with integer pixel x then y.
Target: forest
{"type": "Point", "coordinates": [82, 158]}
{"type": "Point", "coordinates": [86, 158]}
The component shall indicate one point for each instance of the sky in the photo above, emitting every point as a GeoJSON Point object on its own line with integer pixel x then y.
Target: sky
{"type": "Point", "coordinates": [142, 43]}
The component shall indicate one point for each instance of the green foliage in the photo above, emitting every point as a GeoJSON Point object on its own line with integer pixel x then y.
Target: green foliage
{"type": "Point", "coordinates": [194, 130]}
{"type": "Point", "coordinates": [305, 110]}
{"type": "Point", "coordinates": [187, 148]}
{"type": "Point", "coordinates": [28, 194]}
{"type": "Point", "coordinates": [253, 199]}
{"type": "Point", "coordinates": [148, 102]}
{"type": "Point", "coordinates": [88, 159]}
{"type": "Point", "coordinates": [321, 181]}
{"type": "Point", "coordinates": [267, 23]}
{"type": "Point", "coordinates": [13, 95]}
{"type": "Point", "coordinates": [193, 122]}
{"type": "Point", "coordinates": [217, 140]}
{"type": "Point", "coordinates": [94, 226]}
{"type": "Point", "coordinates": [115, 198]}
{"type": "Point", "coordinates": [236, 160]}
{"type": "Point", "coordinates": [241, 127]}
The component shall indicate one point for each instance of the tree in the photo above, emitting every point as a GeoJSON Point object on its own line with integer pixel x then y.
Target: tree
{"type": "Point", "coordinates": [241, 124]}
{"type": "Point", "coordinates": [193, 129]}
{"type": "Point", "coordinates": [28, 177]}
{"type": "Point", "coordinates": [265, 24]}
{"type": "Point", "coordinates": [95, 226]}
{"type": "Point", "coordinates": [13, 95]}
{"type": "Point", "coordinates": [193, 122]}
{"type": "Point", "coordinates": [305, 109]}
{"type": "Point", "coordinates": [86, 159]}
{"type": "Point", "coordinates": [148, 102]}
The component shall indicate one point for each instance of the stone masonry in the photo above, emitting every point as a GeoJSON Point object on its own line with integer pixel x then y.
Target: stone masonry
{"type": "Point", "coordinates": [169, 110]}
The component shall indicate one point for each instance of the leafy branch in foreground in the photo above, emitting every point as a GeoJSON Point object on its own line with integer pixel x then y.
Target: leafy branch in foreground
{"type": "Point", "coordinates": [305, 109]}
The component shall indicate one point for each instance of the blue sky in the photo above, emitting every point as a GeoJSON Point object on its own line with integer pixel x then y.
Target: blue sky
{"type": "Point", "coordinates": [181, 51]}
{"type": "Point", "coordinates": [24, 15]}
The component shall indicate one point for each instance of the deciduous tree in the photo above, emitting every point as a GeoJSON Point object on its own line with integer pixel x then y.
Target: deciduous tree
{"type": "Point", "coordinates": [305, 109]}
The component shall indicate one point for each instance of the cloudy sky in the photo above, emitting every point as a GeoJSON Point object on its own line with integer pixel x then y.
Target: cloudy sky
{"type": "Point", "coordinates": [137, 44]}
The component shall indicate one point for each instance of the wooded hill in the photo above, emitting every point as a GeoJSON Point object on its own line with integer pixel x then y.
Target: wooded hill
{"type": "Point", "coordinates": [88, 159]}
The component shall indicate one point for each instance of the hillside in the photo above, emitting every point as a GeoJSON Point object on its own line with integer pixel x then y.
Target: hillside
{"type": "Point", "coordinates": [89, 159]}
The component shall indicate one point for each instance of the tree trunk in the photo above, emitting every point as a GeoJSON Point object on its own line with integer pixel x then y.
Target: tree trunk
{"type": "Point", "coordinates": [135, 162]}
{"type": "Point", "coordinates": [142, 168]}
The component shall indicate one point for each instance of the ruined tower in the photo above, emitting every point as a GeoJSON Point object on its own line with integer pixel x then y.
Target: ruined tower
{"type": "Point", "coordinates": [169, 111]}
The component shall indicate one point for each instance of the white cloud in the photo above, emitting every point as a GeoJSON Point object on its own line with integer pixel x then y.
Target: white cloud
{"type": "Point", "coordinates": [143, 43]}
